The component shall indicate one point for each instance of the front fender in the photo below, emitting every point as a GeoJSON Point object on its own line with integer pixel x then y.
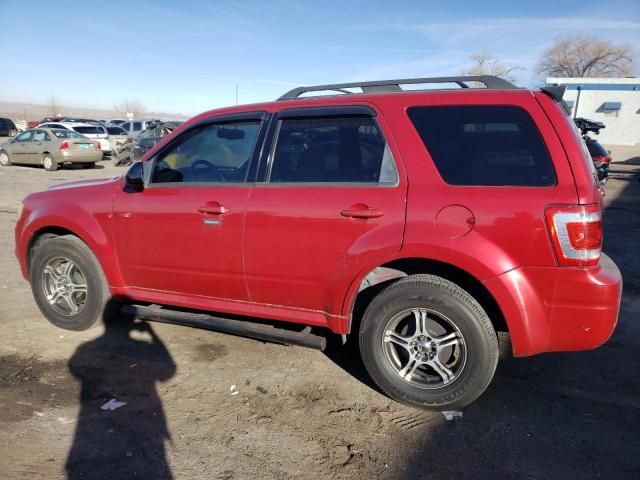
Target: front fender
{"type": "Point", "coordinates": [92, 229]}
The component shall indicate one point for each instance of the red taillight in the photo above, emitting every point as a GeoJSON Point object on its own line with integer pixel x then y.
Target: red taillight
{"type": "Point", "coordinates": [64, 145]}
{"type": "Point", "coordinates": [576, 233]}
{"type": "Point", "coordinates": [601, 159]}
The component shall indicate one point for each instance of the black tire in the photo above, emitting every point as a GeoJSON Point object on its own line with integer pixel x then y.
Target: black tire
{"type": "Point", "coordinates": [5, 159]}
{"type": "Point", "coordinates": [49, 163]}
{"type": "Point", "coordinates": [88, 165]}
{"type": "Point", "coordinates": [442, 299]}
{"type": "Point", "coordinates": [98, 304]}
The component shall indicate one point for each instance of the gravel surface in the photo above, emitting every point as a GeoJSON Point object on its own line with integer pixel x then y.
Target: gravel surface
{"type": "Point", "coordinates": [298, 413]}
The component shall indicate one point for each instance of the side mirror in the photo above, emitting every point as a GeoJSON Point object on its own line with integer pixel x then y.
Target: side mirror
{"type": "Point", "coordinates": [134, 178]}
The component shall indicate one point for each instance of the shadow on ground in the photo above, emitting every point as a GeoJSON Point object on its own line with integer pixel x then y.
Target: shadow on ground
{"type": "Point", "coordinates": [125, 363]}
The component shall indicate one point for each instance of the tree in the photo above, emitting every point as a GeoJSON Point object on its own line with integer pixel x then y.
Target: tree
{"type": "Point", "coordinates": [53, 107]}
{"type": "Point", "coordinates": [586, 56]}
{"type": "Point", "coordinates": [487, 64]}
{"type": "Point", "coordinates": [130, 105]}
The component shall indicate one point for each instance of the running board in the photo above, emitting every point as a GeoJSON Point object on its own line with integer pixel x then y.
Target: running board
{"type": "Point", "coordinates": [240, 328]}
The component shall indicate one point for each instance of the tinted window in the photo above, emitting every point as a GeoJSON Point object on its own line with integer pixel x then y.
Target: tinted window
{"type": "Point", "coordinates": [596, 150]}
{"type": "Point", "coordinates": [212, 153]}
{"type": "Point", "coordinates": [126, 126]}
{"type": "Point", "coordinates": [478, 145]}
{"type": "Point", "coordinates": [332, 150]}
{"type": "Point", "coordinates": [116, 131]}
{"type": "Point", "coordinates": [137, 126]}
{"type": "Point", "coordinates": [5, 123]}
{"type": "Point", "coordinates": [89, 130]}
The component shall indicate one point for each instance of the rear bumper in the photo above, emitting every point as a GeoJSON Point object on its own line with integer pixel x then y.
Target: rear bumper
{"type": "Point", "coordinates": [79, 156]}
{"type": "Point", "coordinates": [559, 309]}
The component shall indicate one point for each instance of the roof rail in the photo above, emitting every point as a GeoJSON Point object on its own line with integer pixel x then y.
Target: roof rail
{"type": "Point", "coordinates": [489, 81]}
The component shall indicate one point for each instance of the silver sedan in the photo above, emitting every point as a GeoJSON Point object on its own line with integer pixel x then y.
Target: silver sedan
{"type": "Point", "coordinates": [50, 148]}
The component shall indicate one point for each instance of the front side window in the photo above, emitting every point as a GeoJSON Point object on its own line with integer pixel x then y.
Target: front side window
{"type": "Point", "coordinates": [24, 137]}
{"type": "Point", "coordinates": [484, 145]}
{"type": "Point", "coordinates": [218, 153]}
{"type": "Point", "coordinates": [332, 150]}
{"type": "Point", "coordinates": [137, 126]}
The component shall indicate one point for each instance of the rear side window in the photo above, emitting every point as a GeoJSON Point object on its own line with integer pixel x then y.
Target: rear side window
{"type": "Point", "coordinates": [332, 150]}
{"type": "Point", "coordinates": [484, 145]}
{"type": "Point", "coordinates": [137, 126]}
{"type": "Point", "coordinates": [116, 131]}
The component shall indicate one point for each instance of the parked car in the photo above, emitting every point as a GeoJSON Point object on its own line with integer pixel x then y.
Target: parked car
{"type": "Point", "coordinates": [134, 127]}
{"type": "Point", "coordinates": [417, 223]}
{"type": "Point", "coordinates": [117, 136]}
{"type": "Point", "coordinates": [600, 156]}
{"type": "Point", "coordinates": [151, 136]}
{"type": "Point", "coordinates": [91, 130]}
{"type": "Point", "coordinates": [7, 128]}
{"type": "Point", "coordinates": [50, 148]}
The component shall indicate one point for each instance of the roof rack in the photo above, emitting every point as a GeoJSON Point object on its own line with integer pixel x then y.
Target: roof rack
{"type": "Point", "coordinates": [379, 86]}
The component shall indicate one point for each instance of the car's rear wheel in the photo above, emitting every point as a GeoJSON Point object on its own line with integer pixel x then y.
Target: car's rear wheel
{"type": "Point", "coordinates": [426, 342]}
{"type": "Point", "coordinates": [68, 284]}
{"type": "Point", "coordinates": [49, 163]}
{"type": "Point", "coordinates": [5, 161]}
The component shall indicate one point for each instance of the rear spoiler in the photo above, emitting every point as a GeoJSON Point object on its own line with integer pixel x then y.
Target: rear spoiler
{"type": "Point", "coordinates": [557, 92]}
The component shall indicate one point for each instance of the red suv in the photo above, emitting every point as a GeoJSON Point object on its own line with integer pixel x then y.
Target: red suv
{"type": "Point", "coordinates": [422, 222]}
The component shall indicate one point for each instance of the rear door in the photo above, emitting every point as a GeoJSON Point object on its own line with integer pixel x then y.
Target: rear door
{"type": "Point", "coordinates": [183, 232]}
{"type": "Point", "coordinates": [331, 201]}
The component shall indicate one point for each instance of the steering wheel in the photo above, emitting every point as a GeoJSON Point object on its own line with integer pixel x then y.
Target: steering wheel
{"type": "Point", "coordinates": [207, 170]}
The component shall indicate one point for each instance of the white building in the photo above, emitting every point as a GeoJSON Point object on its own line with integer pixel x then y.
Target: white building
{"type": "Point", "coordinates": [613, 101]}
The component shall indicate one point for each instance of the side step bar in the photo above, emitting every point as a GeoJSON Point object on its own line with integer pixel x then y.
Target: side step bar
{"type": "Point", "coordinates": [227, 325]}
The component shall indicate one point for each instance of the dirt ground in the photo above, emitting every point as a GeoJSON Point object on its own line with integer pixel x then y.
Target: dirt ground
{"type": "Point", "coordinates": [299, 413]}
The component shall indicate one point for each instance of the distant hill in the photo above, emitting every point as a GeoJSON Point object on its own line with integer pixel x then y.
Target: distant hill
{"type": "Point", "coordinates": [29, 111]}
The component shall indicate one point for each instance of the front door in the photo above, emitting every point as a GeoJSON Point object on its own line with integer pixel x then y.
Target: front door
{"type": "Point", "coordinates": [333, 202]}
{"type": "Point", "coordinates": [37, 146]}
{"type": "Point", "coordinates": [20, 147]}
{"type": "Point", "coordinates": [183, 232]}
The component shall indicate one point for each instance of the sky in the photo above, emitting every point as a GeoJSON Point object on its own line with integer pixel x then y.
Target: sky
{"type": "Point", "coordinates": [188, 56]}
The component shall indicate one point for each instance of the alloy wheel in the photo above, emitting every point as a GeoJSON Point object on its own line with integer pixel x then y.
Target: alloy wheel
{"type": "Point", "coordinates": [424, 347]}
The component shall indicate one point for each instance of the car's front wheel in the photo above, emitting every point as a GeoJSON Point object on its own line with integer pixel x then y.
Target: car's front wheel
{"type": "Point", "coordinates": [427, 343]}
{"type": "Point", "coordinates": [5, 161]}
{"type": "Point", "coordinates": [68, 284]}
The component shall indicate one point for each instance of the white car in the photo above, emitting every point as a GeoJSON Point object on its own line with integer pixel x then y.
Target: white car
{"type": "Point", "coordinates": [93, 131]}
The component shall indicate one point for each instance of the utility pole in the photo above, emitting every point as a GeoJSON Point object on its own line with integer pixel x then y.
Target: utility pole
{"type": "Point", "coordinates": [236, 94]}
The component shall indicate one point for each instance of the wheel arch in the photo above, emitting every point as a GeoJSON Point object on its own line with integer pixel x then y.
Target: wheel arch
{"type": "Point", "coordinates": [381, 276]}
{"type": "Point", "coordinates": [93, 236]}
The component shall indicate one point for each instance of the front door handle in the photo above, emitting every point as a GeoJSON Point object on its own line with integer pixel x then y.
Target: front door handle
{"type": "Point", "coordinates": [213, 208]}
{"type": "Point", "coordinates": [361, 210]}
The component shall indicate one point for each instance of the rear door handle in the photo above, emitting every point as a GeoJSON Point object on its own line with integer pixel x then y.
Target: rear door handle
{"type": "Point", "coordinates": [213, 208]}
{"type": "Point", "coordinates": [362, 211]}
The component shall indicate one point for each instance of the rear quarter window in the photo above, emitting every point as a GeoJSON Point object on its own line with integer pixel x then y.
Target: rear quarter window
{"type": "Point", "coordinates": [484, 145]}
